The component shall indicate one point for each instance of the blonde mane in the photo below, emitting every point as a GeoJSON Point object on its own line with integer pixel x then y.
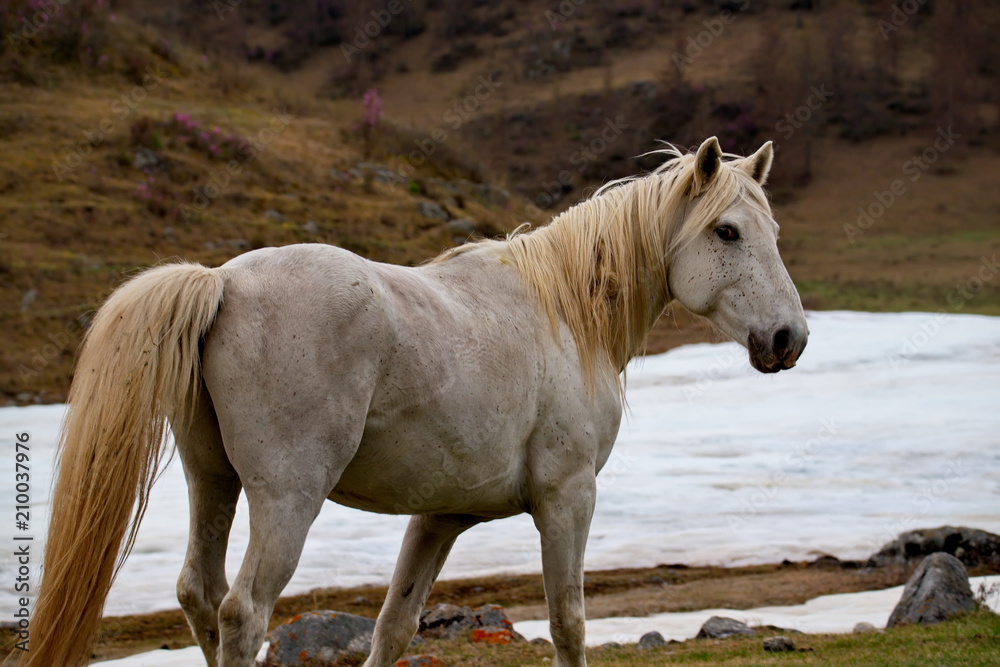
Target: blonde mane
{"type": "Point", "coordinates": [595, 263]}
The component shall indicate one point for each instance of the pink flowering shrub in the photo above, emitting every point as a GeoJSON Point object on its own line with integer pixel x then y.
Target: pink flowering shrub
{"type": "Point", "coordinates": [184, 131]}
{"type": "Point", "coordinates": [65, 31]}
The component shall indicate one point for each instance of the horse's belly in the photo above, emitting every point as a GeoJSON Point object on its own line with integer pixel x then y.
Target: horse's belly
{"type": "Point", "coordinates": [403, 470]}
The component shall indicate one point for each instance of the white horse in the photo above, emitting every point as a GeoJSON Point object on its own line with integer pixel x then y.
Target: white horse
{"type": "Point", "coordinates": [485, 384]}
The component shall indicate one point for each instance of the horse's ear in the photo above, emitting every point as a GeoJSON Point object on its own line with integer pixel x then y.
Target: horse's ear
{"type": "Point", "coordinates": [758, 165]}
{"type": "Point", "coordinates": [706, 164]}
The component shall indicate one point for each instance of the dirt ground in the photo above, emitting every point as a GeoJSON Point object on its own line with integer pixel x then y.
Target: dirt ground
{"type": "Point", "coordinates": [624, 592]}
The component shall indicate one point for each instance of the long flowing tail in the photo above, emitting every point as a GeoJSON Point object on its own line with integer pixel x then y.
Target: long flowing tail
{"type": "Point", "coordinates": [140, 366]}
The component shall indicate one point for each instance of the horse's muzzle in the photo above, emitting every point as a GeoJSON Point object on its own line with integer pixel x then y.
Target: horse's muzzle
{"type": "Point", "coordinates": [778, 351]}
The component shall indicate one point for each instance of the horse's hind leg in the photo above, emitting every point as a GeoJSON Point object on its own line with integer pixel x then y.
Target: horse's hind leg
{"type": "Point", "coordinates": [213, 489]}
{"type": "Point", "coordinates": [425, 547]}
{"type": "Point", "coordinates": [280, 517]}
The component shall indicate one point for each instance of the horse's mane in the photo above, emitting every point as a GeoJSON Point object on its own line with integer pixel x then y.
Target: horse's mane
{"type": "Point", "coordinates": [590, 263]}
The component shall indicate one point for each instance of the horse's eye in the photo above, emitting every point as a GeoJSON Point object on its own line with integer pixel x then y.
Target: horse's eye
{"type": "Point", "coordinates": [727, 233]}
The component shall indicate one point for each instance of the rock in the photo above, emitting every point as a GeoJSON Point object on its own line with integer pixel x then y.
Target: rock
{"type": "Point", "coordinates": [720, 627]}
{"type": "Point", "coordinates": [972, 546]}
{"type": "Point", "coordinates": [310, 227]}
{"type": "Point", "coordinates": [419, 661]}
{"type": "Point", "coordinates": [778, 644]}
{"type": "Point", "coordinates": [938, 589]}
{"type": "Point", "coordinates": [492, 635]}
{"type": "Point", "coordinates": [382, 173]}
{"type": "Point", "coordinates": [319, 636]}
{"type": "Point", "coordinates": [491, 194]}
{"type": "Point", "coordinates": [444, 621]}
{"type": "Point", "coordinates": [432, 210]}
{"type": "Point", "coordinates": [29, 298]}
{"type": "Point", "coordinates": [865, 628]}
{"type": "Point", "coordinates": [462, 226]}
{"type": "Point", "coordinates": [651, 640]}
{"type": "Point", "coordinates": [609, 645]}
{"type": "Point", "coordinates": [239, 244]}
{"type": "Point", "coordinates": [274, 215]}
{"type": "Point", "coordinates": [491, 616]}
{"type": "Point", "coordinates": [540, 641]}
{"type": "Point", "coordinates": [447, 621]}
{"type": "Point", "coordinates": [145, 159]}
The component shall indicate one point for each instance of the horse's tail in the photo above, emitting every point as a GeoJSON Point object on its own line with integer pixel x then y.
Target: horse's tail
{"type": "Point", "coordinates": [140, 366]}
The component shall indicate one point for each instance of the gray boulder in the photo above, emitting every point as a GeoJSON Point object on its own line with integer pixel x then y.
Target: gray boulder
{"type": "Point", "coordinates": [938, 590]}
{"type": "Point", "coordinates": [720, 627]}
{"type": "Point", "coordinates": [972, 546]}
{"type": "Point", "coordinates": [319, 636]}
{"type": "Point", "coordinates": [651, 640]}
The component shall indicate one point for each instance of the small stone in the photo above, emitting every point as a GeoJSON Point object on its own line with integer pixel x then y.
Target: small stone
{"type": "Point", "coordinates": [778, 644]}
{"type": "Point", "coordinates": [864, 628]}
{"type": "Point", "coordinates": [311, 227]}
{"type": "Point", "coordinates": [540, 641]}
{"type": "Point", "coordinates": [720, 627]}
{"type": "Point", "coordinates": [432, 210]}
{"type": "Point", "coordinates": [610, 645]}
{"type": "Point", "coordinates": [462, 226]}
{"type": "Point", "coordinates": [651, 640]}
{"type": "Point", "coordinates": [144, 158]}
{"type": "Point", "coordinates": [274, 215]}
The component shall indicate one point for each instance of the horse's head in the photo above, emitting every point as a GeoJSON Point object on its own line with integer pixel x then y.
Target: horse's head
{"type": "Point", "coordinates": [726, 267]}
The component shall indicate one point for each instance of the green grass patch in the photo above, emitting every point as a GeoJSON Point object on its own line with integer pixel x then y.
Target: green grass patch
{"type": "Point", "coordinates": [970, 640]}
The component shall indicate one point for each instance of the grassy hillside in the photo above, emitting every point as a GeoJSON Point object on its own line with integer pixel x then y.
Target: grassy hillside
{"type": "Point", "coordinates": [164, 132]}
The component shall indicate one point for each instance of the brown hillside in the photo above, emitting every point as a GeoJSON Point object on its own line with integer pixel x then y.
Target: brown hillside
{"type": "Point", "coordinates": [107, 171]}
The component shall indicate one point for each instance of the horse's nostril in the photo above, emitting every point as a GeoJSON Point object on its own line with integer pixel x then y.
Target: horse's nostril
{"type": "Point", "coordinates": [781, 339]}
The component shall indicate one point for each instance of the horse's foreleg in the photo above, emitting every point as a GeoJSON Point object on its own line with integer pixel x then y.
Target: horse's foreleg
{"type": "Point", "coordinates": [213, 489]}
{"type": "Point", "coordinates": [425, 547]}
{"type": "Point", "coordinates": [562, 517]}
